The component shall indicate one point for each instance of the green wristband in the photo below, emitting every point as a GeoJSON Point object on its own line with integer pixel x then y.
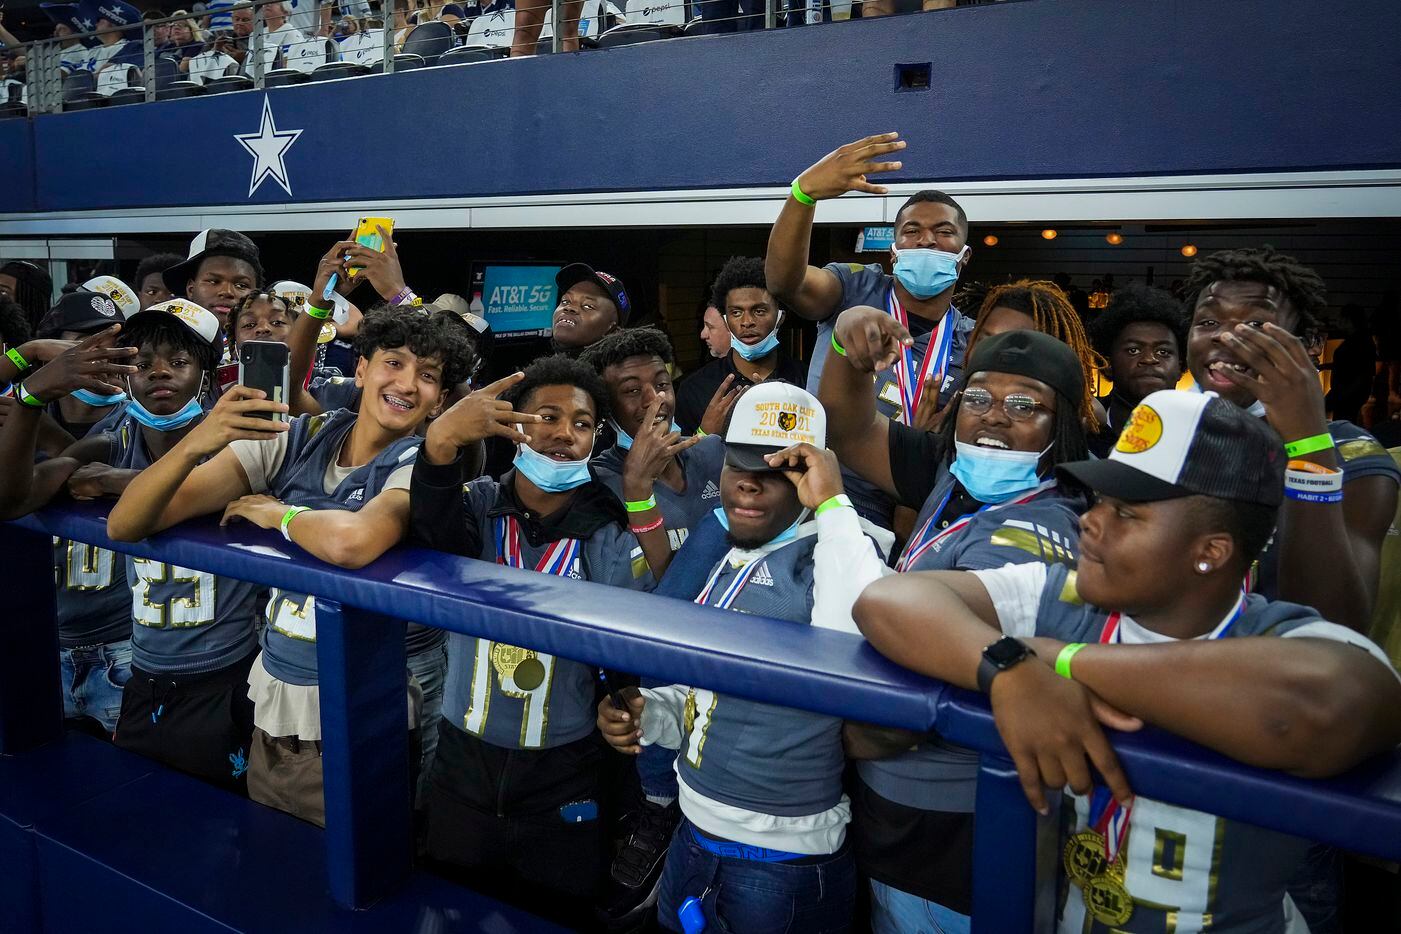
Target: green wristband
{"type": "Point", "coordinates": [798, 195]}
{"type": "Point", "coordinates": [641, 505]}
{"type": "Point", "coordinates": [836, 346]}
{"type": "Point", "coordinates": [318, 313]}
{"type": "Point", "coordinates": [836, 502]}
{"type": "Point", "coordinates": [1063, 659]}
{"type": "Point", "coordinates": [17, 359]}
{"type": "Point", "coordinates": [1311, 445]}
{"type": "Point", "coordinates": [287, 518]}
{"type": "Point", "coordinates": [22, 394]}
{"type": "Point", "coordinates": [700, 433]}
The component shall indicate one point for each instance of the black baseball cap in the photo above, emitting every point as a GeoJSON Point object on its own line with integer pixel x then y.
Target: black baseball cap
{"type": "Point", "coordinates": [214, 241]}
{"type": "Point", "coordinates": [1033, 355]}
{"type": "Point", "coordinates": [80, 311]}
{"type": "Point", "coordinates": [574, 273]}
{"type": "Point", "coordinates": [1182, 443]}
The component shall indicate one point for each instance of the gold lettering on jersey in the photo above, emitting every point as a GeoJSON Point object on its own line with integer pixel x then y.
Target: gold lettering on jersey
{"type": "Point", "coordinates": [1169, 854]}
{"type": "Point", "coordinates": [1026, 540]}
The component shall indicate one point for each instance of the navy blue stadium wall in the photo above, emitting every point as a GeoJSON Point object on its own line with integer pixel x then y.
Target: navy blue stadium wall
{"type": "Point", "coordinates": [1062, 89]}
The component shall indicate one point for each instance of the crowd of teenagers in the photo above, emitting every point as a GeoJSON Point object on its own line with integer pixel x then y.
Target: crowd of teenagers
{"type": "Point", "coordinates": [942, 484]}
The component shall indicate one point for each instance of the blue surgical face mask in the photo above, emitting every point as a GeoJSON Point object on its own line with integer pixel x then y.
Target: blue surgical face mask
{"type": "Point", "coordinates": [752, 352]}
{"type": "Point", "coordinates": [993, 475]}
{"type": "Point", "coordinates": [188, 412]}
{"type": "Point", "coordinates": [926, 273]}
{"type": "Point", "coordinates": [548, 474]}
{"type": "Point", "coordinates": [625, 439]}
{"type": "Point", "coordinates": [787, 534]}
{"type": "Point", "coordinates": [96, 401]}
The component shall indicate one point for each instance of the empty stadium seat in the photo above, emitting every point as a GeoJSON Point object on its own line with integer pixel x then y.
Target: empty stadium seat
{"type": "Point", "coordinates": [463, 56]}
{"type": "Point", "coordinates": [167, 73]}
{"type": "Point", "coordinates": [285, 76]}
{"type": "Point", "coordinates": [76, 84]}
{"type": "Point", "coordinates": [402, 62]}
{"type": "Point", "coordinates": [333, 70]}
{"type": "Point", "coordinates": [631, 35]}
{"type": "Point", "coordinates": [127, 96]}
{"type": "Point", "coordinates": [430, 40]}
{"type": "Point", "coordinates": [178, 89]}
{"type": "Point", "coordinates": [228, 83]}
{"type": "Point", "coordinates": [13, 109]}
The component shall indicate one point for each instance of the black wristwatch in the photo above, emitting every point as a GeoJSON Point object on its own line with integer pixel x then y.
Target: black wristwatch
{"type": "Point", "coordinates": [998, 657]}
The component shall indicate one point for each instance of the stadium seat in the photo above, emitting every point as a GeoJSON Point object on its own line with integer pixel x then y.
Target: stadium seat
{"type": "Point", "coordinates": [333, 70]}
{"type": "Point", "coordinates": [76, 84]}
{"type": "Point", "coordinates": [656, 13]}
{"type": "Point", "coordinates": [127, 96]}
{"type": "Point", "coordinates": [492, 31]}
{"type": "Point", "coordinates": [167, 73]}
{"type": "Point", "coordinates": [282, 77]}
{"type": "Point", "coordinates": [463, 56]}
{"type": "Point", "coordinates": [402, 62]}
{"type": "Point", "coordinates": [228, 83]}
{"type": "Point", "coordinates": [85, 101]}
{"type": "Point", "coordinates": [178, 89]}
{"type": "Point", "coordinates": [695, 27]}
{"type": "Point", "coordinates": [13, 109]}
{"type": "Point", "coordinates": [631, 35]}
{"type": "Point", "coordinates": [429, 40]}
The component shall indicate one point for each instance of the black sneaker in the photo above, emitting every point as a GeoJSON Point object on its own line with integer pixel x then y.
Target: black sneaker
{"type": "Point", "coordinates": [636, 875]}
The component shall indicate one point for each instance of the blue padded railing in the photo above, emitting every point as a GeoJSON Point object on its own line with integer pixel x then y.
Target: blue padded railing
{"type": "Point", "coordinates": [361, 658]}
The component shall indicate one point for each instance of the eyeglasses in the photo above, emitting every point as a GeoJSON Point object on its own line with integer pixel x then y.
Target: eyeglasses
{"type": "Point", "coordinates": [1019, 407]}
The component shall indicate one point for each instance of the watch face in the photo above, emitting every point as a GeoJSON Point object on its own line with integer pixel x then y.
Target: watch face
{"type": "Point", "coordinates": [1005, 651]}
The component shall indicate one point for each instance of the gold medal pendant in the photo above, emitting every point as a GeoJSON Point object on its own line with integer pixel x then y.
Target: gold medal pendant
{"type": "Point", "coordinates": [1108, 901]}
{"type": "Point", "coordinates": [688, 717]}
{"type": "Point", "coordinates": [1084, 858]}
{"type": "Point", "coordinates": [522, 667]}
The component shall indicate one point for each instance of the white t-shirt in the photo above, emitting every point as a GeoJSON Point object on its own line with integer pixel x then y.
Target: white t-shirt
{"type": "Point", "coordinates": [364, 48]}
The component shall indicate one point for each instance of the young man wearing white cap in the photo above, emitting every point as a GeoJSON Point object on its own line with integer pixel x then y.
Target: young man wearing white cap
{"type": "Point", "coordinates": [763, 840]}
{"type": "Point", "coordinates": [123, 295]}
{"type": "Point", "coordinates": [1155, 628]}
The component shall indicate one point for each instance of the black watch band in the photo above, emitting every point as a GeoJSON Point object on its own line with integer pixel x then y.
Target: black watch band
{"type": "Point", "coordinates": [998, 657]}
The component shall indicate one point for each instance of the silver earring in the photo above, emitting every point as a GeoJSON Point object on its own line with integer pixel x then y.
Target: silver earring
{"type": "Point", "coordinates": [1203, 567]}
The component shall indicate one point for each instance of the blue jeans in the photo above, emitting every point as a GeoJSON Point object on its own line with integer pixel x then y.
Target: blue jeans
{"type": "Point", "coordinates": [93, 677]}
{"type": "Point", "coordinates": [748, 897]}
{"type": "Point", "coordinates": [430, 669]}
{"type": "Point", "coordinates": [897, 912]}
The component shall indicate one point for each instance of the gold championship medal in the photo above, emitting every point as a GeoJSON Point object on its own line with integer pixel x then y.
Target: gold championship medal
{"type": "Point", "coordinates": [1084, 858]}
{"type": "Point", "coordinates": [522, 666]}
{"type": "Point", "coordinates": [326, 334]}
{"type": "Point", "coordinates": [688, 718]}
{"type": "Point", "coordinates": [1109, 902]}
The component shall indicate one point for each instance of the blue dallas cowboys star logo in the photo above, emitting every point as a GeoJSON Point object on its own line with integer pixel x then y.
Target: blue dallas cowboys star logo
{"type": "Point", "coordinates": [267, 147]}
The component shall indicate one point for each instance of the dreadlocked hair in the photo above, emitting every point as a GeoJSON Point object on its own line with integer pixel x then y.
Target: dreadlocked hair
{"type": "Point", "coordinates": [625, 344]}
{"type": "Point", "coordinates": [1051, 313]}
{"type": "Point", "coordinates": [231, 325]}
{"type": "Point", "coordinates": [33, 289]}
{"type": "Point", "coordinates": [1304, 287]}
{"type": "Point", "coordinates": [14, 324]}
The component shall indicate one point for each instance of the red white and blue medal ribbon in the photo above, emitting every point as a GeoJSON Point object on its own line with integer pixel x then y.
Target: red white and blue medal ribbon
{"type": "Point", "coordinates": [1107, 817]}
{"type": "Point", "coordinates": [925, 539]}
{"type": "Point", "coordinates": [729, 594]}
{"type": "Point", "coordinates": [936, 359]}
{"type": "Point", "coordinates": [558, 559]}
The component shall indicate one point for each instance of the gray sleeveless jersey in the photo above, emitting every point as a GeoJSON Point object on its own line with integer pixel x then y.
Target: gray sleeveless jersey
{"type": "Point", "coordinates": [516, 697]}
{"type": "Point", "coordinates": [760, 757]}
{"type": "Point", "coordinates": [94, 601]}
{"type": "Point", "coordinates": [1186, 870]}
{"type": "Point", "coordinates": [186, 621]}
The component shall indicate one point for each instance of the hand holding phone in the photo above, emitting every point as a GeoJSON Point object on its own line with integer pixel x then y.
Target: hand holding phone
{"type": "Point", "coordinates": [266, 365]}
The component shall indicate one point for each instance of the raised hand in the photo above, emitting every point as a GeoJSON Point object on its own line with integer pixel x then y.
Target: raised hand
{"type": "Point", "coordinates": [93, 363]}
{"type": "Point", "coordinates": [1281, 377]}
{"type": "Point", "coordinates": [872, 339]}
{"type": "Point", "coordinates": [846, 167]}
{"type": "Point", "coordinates": [717, 411]}
{"type": "Point", "coordinates": [475, 417]}
{"type": "Point", "coordinates": [333, 263]}
{"type": "Point", "coordinates": [652, 449]}
{"type": "Point", "coordinates": [380, 269]}
{"type": "Point", "coordinates": [813, 470]}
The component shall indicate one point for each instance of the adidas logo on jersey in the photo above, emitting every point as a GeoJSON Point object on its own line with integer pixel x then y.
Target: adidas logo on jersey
{"type": "Point", "coordinates": [762, 577]}
{"type": "Point", "coordinates": [356, 497]}
{"type": "Point", "coordinates": [711, 490]}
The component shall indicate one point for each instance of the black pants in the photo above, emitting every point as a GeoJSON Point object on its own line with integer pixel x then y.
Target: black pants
{"type": "Point", "coordinates": [513, 817]}
{"type": "Point", "coordinates": [201, 724]}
